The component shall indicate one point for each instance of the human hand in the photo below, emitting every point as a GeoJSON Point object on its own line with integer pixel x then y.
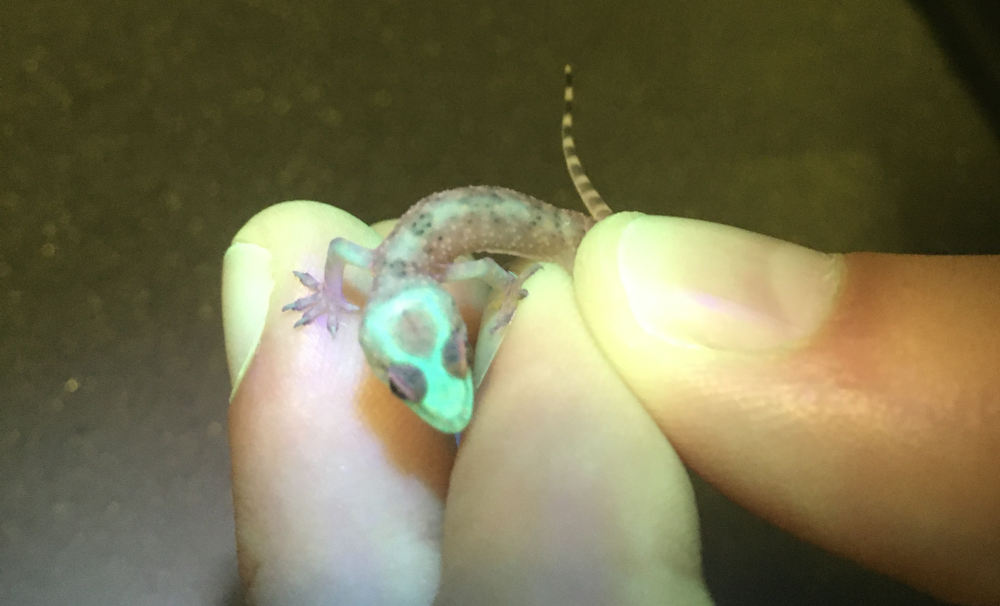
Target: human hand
{"type": "Point", "coordinates": [565, 490]}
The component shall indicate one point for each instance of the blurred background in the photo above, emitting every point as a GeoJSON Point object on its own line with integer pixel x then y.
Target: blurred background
{"type": "Point", "coordinates": [137, 136]}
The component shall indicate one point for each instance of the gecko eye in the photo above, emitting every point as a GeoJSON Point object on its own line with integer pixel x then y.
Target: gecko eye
{"type": "Point", "coordinates": [407, 382]}
{"type": "Point", "coordinates": [455, 354]}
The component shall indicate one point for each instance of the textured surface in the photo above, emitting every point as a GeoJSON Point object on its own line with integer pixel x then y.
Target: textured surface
{"type": "Point", "coordinates": [137, 137]}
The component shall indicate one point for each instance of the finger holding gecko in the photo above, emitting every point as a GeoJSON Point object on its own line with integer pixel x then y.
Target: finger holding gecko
{"type": "Point", "coordinates": [853, 400]}
{"type": "Point", "coordinates": [317, 395]}
{"type": "Point", "coordinates": [327, 464]}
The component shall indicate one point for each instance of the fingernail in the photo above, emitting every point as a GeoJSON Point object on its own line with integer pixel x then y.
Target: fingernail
{"type": "Point", "coordinates": [246, 294]}
{"type": "Point", "coordinates": [703, 284]}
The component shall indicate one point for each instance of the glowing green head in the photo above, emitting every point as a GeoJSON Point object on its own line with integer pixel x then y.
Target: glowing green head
{"type": "Point", "coordinates": [416, 342]}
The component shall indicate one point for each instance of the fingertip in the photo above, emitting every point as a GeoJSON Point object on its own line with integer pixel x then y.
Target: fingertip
{"type": "Point", "coordinates": [257, 269]}
{"type": "Point", "coordinates": [673, 283]}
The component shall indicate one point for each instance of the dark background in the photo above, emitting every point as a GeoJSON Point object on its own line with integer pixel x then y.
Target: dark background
{"type": "Point", "coordinates": [137, 136]}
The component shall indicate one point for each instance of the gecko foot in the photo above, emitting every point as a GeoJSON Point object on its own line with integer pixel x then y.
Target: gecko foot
{"type": "Point", "coordinates": [323, 301]}
{"type": "Point", "coordinates": [513, 293]}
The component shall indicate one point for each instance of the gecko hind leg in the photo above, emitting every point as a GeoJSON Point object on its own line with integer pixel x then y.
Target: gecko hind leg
{"type": "Point", "coordinates": [513, 293]}
{"type": "Point", "coordinates": [497, 277]}
{"type": "Point", "coordinates": [327, 298]}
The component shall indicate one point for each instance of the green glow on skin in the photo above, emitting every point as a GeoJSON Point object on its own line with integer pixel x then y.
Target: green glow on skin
{"type": "Point", "coordinates": [447, 404]}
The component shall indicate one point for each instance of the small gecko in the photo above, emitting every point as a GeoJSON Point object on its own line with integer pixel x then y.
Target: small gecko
{"type": "Point", "coordinates": [412, 334]}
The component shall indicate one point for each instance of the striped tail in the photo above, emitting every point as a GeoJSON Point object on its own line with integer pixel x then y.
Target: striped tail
{"type": "Point", "coordinates": [595, 203]}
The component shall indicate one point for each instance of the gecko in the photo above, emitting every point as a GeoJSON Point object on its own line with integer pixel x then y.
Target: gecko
{"type": "Point", "coordinates": [412, 334]}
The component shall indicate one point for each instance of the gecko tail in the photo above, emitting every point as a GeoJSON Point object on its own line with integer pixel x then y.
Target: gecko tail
{"type": "Point", "coordinates": [595, 203]}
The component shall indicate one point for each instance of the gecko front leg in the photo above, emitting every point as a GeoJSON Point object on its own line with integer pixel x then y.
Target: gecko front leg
{"type": "Point", "coordinates": [497, 277]}
{"type": "Point", "coordinates": [327, 297]}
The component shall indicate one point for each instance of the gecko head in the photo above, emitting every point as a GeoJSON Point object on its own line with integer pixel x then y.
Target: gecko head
{"type": "Point", "coordinates": [416, 342]}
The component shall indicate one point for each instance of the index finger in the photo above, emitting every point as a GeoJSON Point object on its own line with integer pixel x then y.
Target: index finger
{"type": "Point", "coordinates": [337, 485]}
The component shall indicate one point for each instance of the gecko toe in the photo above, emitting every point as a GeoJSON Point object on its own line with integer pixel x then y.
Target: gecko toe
{"type": "Point", "coordinates": [307, 280]}
{"type": "Point", "coordinates": [311, 313]}
{"type": "Point", "coordinates": [301, 304]}
{"type": "Point", "coordinates": [319, 303]}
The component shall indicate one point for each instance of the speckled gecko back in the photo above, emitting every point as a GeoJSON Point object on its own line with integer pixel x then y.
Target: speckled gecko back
{"type": "Point", "coordinates": [444, 226]}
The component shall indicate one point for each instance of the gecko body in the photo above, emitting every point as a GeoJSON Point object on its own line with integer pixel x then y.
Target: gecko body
{"type": "Point", "coordinates": [412, 334]}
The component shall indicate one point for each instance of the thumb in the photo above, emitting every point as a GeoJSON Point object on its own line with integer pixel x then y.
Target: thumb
{"type": "Point", "coordinates": [851, 400]}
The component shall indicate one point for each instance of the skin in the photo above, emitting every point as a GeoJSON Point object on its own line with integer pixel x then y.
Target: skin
{"type": "Point", "coordinates": [562, 483]}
